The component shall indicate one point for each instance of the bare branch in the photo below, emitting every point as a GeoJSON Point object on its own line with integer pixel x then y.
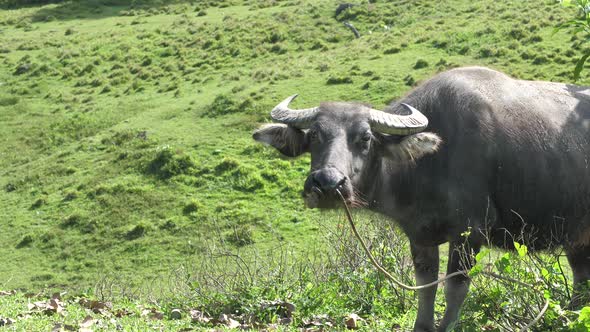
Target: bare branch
{"type": "Point", "coordinates": [353, 29]}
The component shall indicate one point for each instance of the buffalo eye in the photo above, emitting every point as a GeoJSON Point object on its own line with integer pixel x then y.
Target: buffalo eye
{"type": "Point", "coordinates": [313, 135]}
{"type": "Point", "coordinates": [365, 140]}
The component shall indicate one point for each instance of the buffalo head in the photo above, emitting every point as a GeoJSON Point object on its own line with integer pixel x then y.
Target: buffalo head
{"type": "Point", "coordinates": [349, 144]}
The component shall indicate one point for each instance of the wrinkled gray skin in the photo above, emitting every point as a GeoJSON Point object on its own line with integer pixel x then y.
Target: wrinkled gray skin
{"type": "Point", "coordinates": [504, 157]}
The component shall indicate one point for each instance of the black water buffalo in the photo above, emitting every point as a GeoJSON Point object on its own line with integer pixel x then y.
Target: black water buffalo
{"type": "Point", "coordinates": [470, 148]}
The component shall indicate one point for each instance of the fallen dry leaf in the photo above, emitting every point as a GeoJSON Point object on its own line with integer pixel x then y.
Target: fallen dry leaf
{"type": "Point", "coordinates": [152, 313]}
{"type": "Point", "coordinates": [270, 328]}
{"type": "Point", "coordinates": [53, 305]}
{"type": "Point", "coordinates": [285, 321]}
{"type": "Point", "coordinates": [198, 316]}
{"type": "Point", "coordinates": [229, 321]}
{"type": "Point", "coordinates": [7, 293]}
{"type": "Point", "coordinates": [122, 312]}
{"type": "Point", "coordinates": [98, 307]}
{"type": "Point", "coordinates": [87, 322]}
{"type": "Point", "coordinates": [59, 327]}
{"type": "Point", "coordinates": [35, 305]}
{"type": "Point", "coordinates": [318, 321]}
{"type": "Point", "coordinates": [352, 321]}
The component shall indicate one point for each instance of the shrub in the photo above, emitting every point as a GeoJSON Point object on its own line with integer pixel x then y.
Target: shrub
{"type": "Point", "coordinates": [339, 79]}
{"type": "Point", "coordinates": [278, 49]}
{"type": "Point", "coordinates": [25, 241]}
{"type": "Point", "coordinates": [517, 33]}
{"type": "Point", "coordinates": [38, 203]}
{"type": "Point", "coordinates": [440, 44]}
{"type": "Point", "coordinates": [191, 207]}
{"type": "Point", "coordinates": [167, 164]}
{"type": "Point", "coordinates": [224, 104]}
{"type": "Point", "coordinates": [8, 101]}
{"type": "Point", "coordinates": [318, 45]}
{"type": "Point", "coordinates": [136, 232]}
{"type": "Point", "coordinates": [72, 220]}
{"type": "Point", "coordinates": [420, 64]}
{"type": "Point", "coordinates": [121, 137]}
{"type": "Point", "coordinates": [248, 182]}
{"type": "Point", "coordinates": [409, 80]}
{"type": "Point", "coordinates": [226, 165]}
{"type": "Point", "coordinates": [241, 235]}
{"type": "Point", "coordinates": [540, 59]}
{"type": "Point", "coordinates": [392, 50]}
{"type": "Point", "coordinates": [275, 37]}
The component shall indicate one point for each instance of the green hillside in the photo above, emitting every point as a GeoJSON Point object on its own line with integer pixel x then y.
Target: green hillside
{"type": "Point", "coordinates": [127, 167]}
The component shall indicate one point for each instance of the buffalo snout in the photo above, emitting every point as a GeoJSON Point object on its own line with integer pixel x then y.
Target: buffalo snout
{"type": "Point", "coordinates": [321, 186]}
{"type": "Point", "coordinates": [328, 179]}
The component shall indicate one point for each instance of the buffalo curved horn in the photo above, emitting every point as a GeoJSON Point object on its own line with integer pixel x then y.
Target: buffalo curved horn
{"type": "Point", "coordinates": [301, 119]}
{"type": "Point", "coordinates": [395, 124]}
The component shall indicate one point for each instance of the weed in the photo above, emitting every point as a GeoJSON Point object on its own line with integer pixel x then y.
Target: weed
{"type": "Point", "coordinates": [226, 165]}
{"type": "Point", "coordinates": [540, 59]}
{"type": "Point", "coordinates": [8, 100]}
{"type": "Point", "coordinates": [339, 79]}
{"type": "Point", "coordinates": [409, 80]}
{"type": "Point", "coordinates": [25, 241]}
{"type": "Point", "coordinates": [38, 203]}
{"type": "Point", "coordinates": [392, 50]}
{"type": "Point", "coordinates": [168, 163]}
{"type": "Point", "coordinates": [224, 104]}
{"type": "Point", "coordinates": [240, 236]}
{"type": "Point", "coordinates": [191, 207]}
{"type": "Point", "coordinates": [137, 231]}
{"type": "Point", "coordinates": [420, 63]}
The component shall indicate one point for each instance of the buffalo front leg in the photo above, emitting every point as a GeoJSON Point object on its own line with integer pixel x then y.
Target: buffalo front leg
{"type": "Point", "coordinates": [579, 259]}
{"type": "Point", "coordinates": [461, 258]}
{"type": "Point", "coordinates": [426, 268]}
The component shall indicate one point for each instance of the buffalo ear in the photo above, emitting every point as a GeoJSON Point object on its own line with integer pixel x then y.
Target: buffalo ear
{"type": "Point", "coordinates": [288, 140]}
{"type": "Point", "coordinates": [412, 147]}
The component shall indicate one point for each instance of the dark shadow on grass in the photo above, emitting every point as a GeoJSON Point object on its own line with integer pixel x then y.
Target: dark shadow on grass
{"type": "Point", "coordinates": [95, 9]}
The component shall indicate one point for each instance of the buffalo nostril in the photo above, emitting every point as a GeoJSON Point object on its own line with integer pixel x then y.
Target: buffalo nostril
{"type": "Point", "coordinates": [316, 182]}
{"type": "Point", "coordinates": [328, 179]}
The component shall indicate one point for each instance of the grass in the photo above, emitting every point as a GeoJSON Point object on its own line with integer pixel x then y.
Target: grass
{"type": "Point", "coordinates": [126, 152]}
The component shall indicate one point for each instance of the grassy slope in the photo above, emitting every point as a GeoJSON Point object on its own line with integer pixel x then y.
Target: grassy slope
{"type": "Point", "coordinates": [84, 198]}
